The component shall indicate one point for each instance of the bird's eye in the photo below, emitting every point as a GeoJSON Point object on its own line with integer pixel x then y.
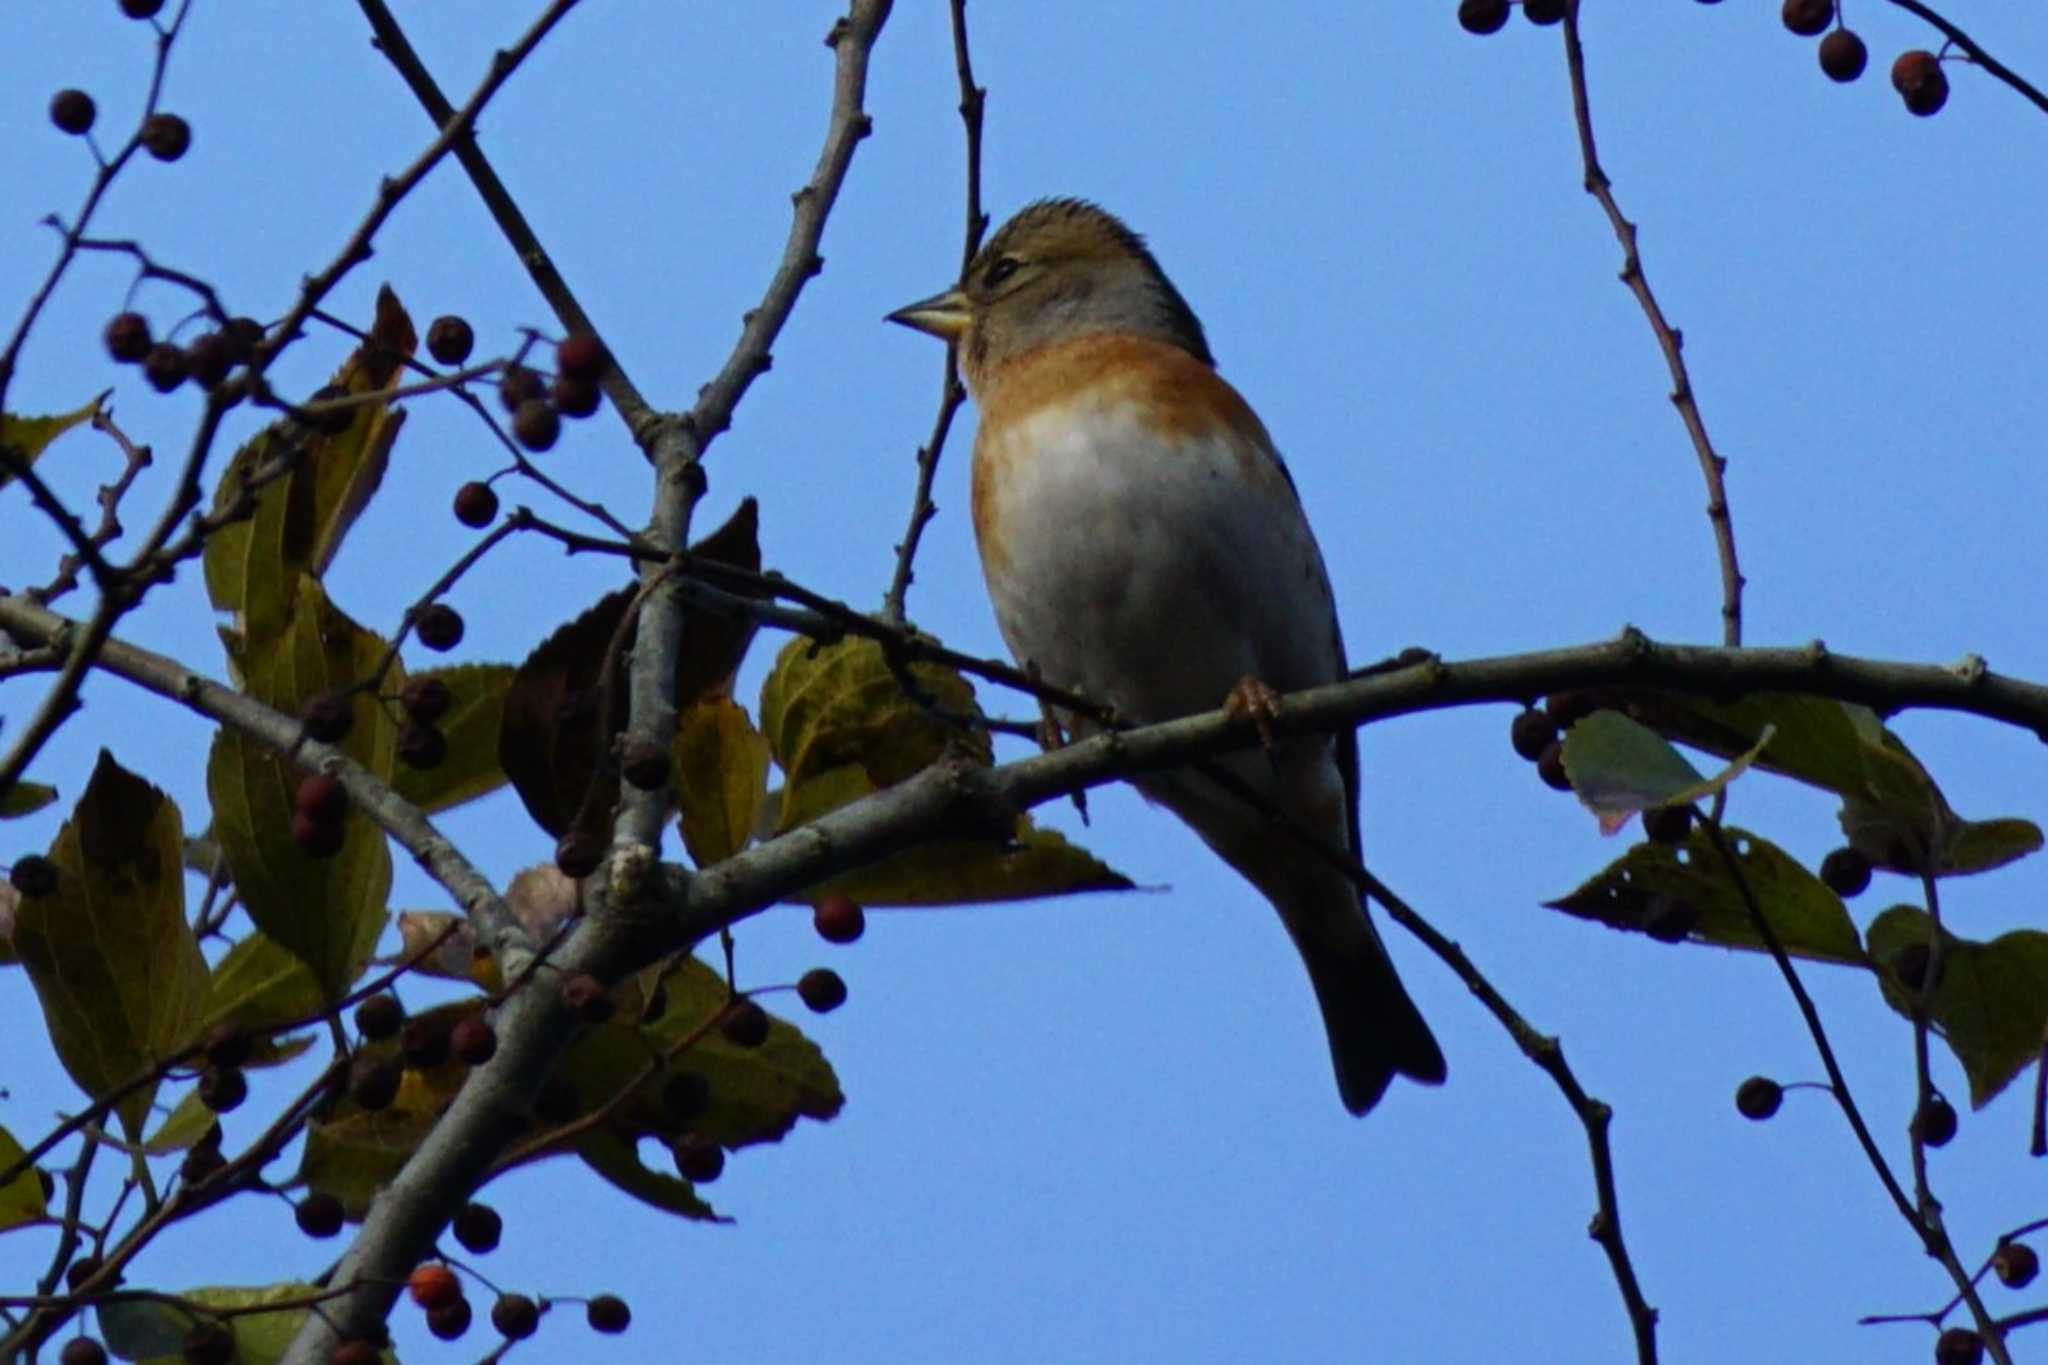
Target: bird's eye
{"type": "Point", "coordinates": [1004, 267]}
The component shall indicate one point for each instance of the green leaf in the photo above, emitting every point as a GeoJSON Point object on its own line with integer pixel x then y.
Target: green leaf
{"type": "Point", "coordinates": [120, 977]}
{"type": "Point", "coordinates": [153, 1331]}
{"type": "Point", "coordinates": [25, 798]}
{"type": "Point", "coordinates": [259, 983]}
{"type": "Point", "coordinates": [1980, 845]}
{"type": "Point", "coordinates": [29, 437]}
{"type": "Point", "coordinates": [471, 725]}
{"type": "Point", "coordinates": [720, 768]}
{"type": "Point", "coordinates": [1619, 767]}
{"type": "Point", "coordinates": [299, 519]}
{"type": "Point", "coordinates": [1990, 1004]}
{"type": "Point", "coordinates": [1810, 920]}
{"type": "Point", "coordinates": [326, 911]}
{"type": "Point", "coordinates": [618, 1161]}
{"type": "Point", "coordinates": [21, 1201]}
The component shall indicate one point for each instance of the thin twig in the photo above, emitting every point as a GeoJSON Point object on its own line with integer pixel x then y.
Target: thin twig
{"type": "Point", "coordinates": [1976, 52]}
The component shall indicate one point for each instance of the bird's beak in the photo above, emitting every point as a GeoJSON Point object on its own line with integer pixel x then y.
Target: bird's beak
{"type": "Point", "coordinates": [942, 315]}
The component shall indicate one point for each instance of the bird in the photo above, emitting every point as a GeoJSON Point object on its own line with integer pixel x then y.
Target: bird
{"type": "Point", "coordinates": [1144, 545]}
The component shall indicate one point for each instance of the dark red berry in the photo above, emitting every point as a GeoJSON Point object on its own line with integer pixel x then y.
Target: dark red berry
{"type": "Point", "coordinates": [1842, 55]}
{"type": "Point", "coordinates": [222, 1088]}
{"type": "Point", "coordinates": [33, 875]}
{"type": "Point", "coordinates": [476, 505]}
{"type": "Point", "coordinates": [515, 1316]}
{"type": "Point", "coordinates": [321, 796]}
{"type": "Point", "coordinates": [1543, 11]}
{"type": "Point", "coordinates": [1808, 17]}
{"type": "Point", "coordinates": [1482, 16]}
{"type": "Point", "coordinates": [745, 1024]}
{"type": "Point", "coordinates": [608, 1313]}
{"type": "Point", "coordinates": [1667, 824]}
{"type": "Point", "coordinates": [141, 9]}
{"type": "Point", "coordinates": [537, 425]}
{"type": "Point", "coordinates": [373, 1082]}
{"type": "Point", "coordinates": [478, 1227]}
{"type": "Point", "coordinates": [319, 1214]}
{"type": "Point", "coordinates": [1920, 81]}
{"type": "Point", "coordinates": [423, 1041]}
{"type": "Point", "coordinates": [1550, 766]}
{"type": "Point", "coordinates": [329, 421]}
{"type": "Point", "coordinates": [579, 852]}
{"type": "Point", "coordinates": [450, 339]}
{"type": "Point", "coordinates": [579, 357]}
{"type": "Point", "coordinates": [228, 1046]}
{"type": "Point", "coordinates": [79, 1271]}
{"type": "Point", "coordinates": [473, 1040]}
{"type": "Point", "coordinates": [165, 367]}
{"type": "Point", "coordinates": [1959, 1346]}
{"type": "Point", "coordinates": [82, 1351]}
{"type": "Point", "coordinates": [439, 627]}
{"type": "Point", "coordinates": [356, 1352]}
{"type": "Point", "coordinates": [1758, 1097]}
{"type": "Point", "coordinates": [1934, 1122]}
{"type": "Point", "coordinates": [243, 336]}
{"type": "Point", "coordinates": [328, 717]}
{"type": "Point", "coordinates": [316, 837]}
{"type": "Point", "coordinates": [379, 1016]}
{"type": "Point", "coordinates": [209, 1343]}
{"type": "Point", "coordinates": [432, 1285]}
{"type": "Point", "coordinates": [822, 989]}
{"type": "Point", "coordinates": [127, 338]}
{"type": "Point", "coordinates": [73, 112]}
{"type": "Point", "coordinates": [450, 1320]}
{"type": "Point", "coordinates": [201, 1164]}
{"type": "Point", "coordinates": [425, 699]}
{"type": "Point", "coordinates": [575, 397]}
{"type": "Point", "coordinates": [587, 997]}
{"type": "Point", "coordinates": [838, 918]}
{"type": "Point", "coordinates": [518, 385]}
{"type": "Point", "coordinates": [699, 1160]}
{"type": "Point", "coordinates": [2015, 1264]}
{"type": "Point", "coordinates": [1531, 732]}
{"type": "Point", "coordinates": [166, 136]}
{"type": "Point", "coordinates": [209, 358]}
{"type": "Point", "coordinates": [1846, 872]}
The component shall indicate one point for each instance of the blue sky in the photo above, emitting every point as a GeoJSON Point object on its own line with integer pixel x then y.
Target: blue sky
{"type": "Point", "coordinates": [1104, 1129]}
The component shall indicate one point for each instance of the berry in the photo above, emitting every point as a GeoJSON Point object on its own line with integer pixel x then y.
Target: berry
{"type": "Point", "coordinates": [838, 918]}
{"type": "Point", "coordinates": [450, 339]}
{"type": "Point", "coordinates": [1482, 16]}
{"type": "Point", "coordinates": [373, 1082]}
{"type": "Point", "coordinates": [1543, 11]}
{"type": "Point", "coordinates": [1934, 1123]}
{"type": "Point", "coordinates": [425, 699]}
{"type": "Point", "coordinates": [579, 852]}
{"type": "Point", "coordinates": [356, 1352]}
{"type": "Point", "coordinates": [1758, 1098]}
{"type": "Point", "coordinates": [579, 357]}
{"type": "Point", "coordinates": [439, 627]}
{"type": "Point", "coordinates": [333, 421]}
{"type": "Point", "coordinates": [822, 989]}
{"type": "Point", "coordinates": [1531, 732]}
{"type": "Point", "coordinates": [328, 717]}
{"type": "Point", "coordinates": [127, 338]}
{"type": "Point", "coordinates": [33, 875]}
{"type": "Point", "coordinates": [517, 385]}
{"type": "Point", "coordinates": [209, 1343]}
{"type": "Point", "coordinates": [209, 358]}
{"type": "Point", "coordinates": [316, 837]}
{"type": "Point", "coordinates": [243, 336]}
{"type": "Point", "coordinates": [82, 1351]}
{"type": "Point", "coordinates": [515, 1316]}
{"type": "Point", "coordinates": [166, 136]}
{"type": "Point", "coordinates": [478, 1227]}
{"type": "Point", "coordinates": [685, 1096]}
{"type": "Point", "coordinates": [222, 1088]}
{"type": "Point", "coordinates": [165, 367]}
{"type": "Point", "coordinates": [1667, 824]}
{"type": "Point", "coordinates": [1669, 918]}
{"type": "Point", "coordinates": [449, 1320]}
{"type": "Point", "coordinates": [201, 1164]}
{"type": "Point", "coordinates": [319, 1214]}
{"type": "Point", "coordinates": [575, 397]}
{"type": "Point", "coordinates": [1550, 766]}
{"type": "Point", "coordinates": [476, 505]}
{"type": "Point", "coordinates": [1846, 872]}
{"type": "Point", "coordinates": [1918, 77]}
{"type": "Point", "coordinates": [424, 1042]}
{"type": "Point", "coordinates": [1842, 55]}
{"type": "Point", "coordinates": [432, 1285]}
{"type": "Point", "coordinates": [379, 1016]}
{"type": "Point", "coordinates": [745, 1024]}
{"type": "Point", "coordinates": [227, 1046]}
{"type": "Point", "coordinates": [473, 1040]}
{"type": "Point", "coordinates": [322, 797]}
{"type": "Point", "coordinates": [79, 1271]}
{"type": "Point", "coordinates": [2015, 1264]}
{"type": "Point", "coordinates": [644, 763]}
{"type": "Point", "coordinates": [587, 997]}
{"type": "Point", "coordinates": [421, 746]}
{"type": "Point", "coordinates": [699, 1160]}
{"type": "Point", "coordinates": [1958, 1346]}
{"type": "Point", "coordinates": [1808, 18]}
{"type": "Point", "coordinates": [1910, 965]}
{"type": "Point", "coordinates": [141, 9]}
{"type": "Point", "coordinates": [536, 424]}
{"type": "Point", "coordinates": [73, 112]}
{"type": "Point", "coordinates": [608, 1313]}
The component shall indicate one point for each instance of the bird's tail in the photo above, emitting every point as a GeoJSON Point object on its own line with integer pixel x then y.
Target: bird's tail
{"type": "Point", "coordinates": [1375, 1030]}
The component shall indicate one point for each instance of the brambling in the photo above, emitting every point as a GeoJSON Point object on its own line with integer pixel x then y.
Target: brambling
{"type": "Point", "coordinates": [1144, 546]}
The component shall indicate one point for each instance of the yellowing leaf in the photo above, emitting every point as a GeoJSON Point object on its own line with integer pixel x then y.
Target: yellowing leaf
{"type": "Point", "coordinates": [471, 726]}
{"type": "Point", "coordinates": [29, 437]}
{"type": "Point", "coordinates": [120, 977]}
{"type": "Point", "coordinates": [21, 1201]}
{"type": "Point", "coordinates": [25, 798]}
{"type": "Point", "coordinates": [720, 770]}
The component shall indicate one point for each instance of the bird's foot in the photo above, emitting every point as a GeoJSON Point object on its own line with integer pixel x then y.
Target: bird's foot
{"type": "Point", "coordinates": [1252, 700]}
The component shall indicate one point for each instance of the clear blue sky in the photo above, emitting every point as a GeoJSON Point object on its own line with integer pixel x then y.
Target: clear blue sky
{"type": "Point", "coordinates": [1104, 1129]}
